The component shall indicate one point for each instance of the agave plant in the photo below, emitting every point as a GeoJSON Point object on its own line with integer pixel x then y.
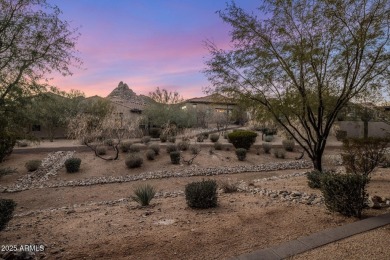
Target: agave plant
{"type": "Point", "coordinates": [143, 194]}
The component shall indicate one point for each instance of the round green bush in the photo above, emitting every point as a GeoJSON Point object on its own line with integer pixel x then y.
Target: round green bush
{"type": "Point", "coordinates": [183, 145]}
{"type": "Point", "coordinates": [200, 138]}
{"type": "Point", "coordinates": [163, 138]}
{"type": "Point", "coordinates": [171, 148]}
{"type": "Point", "coordinates": [279, 153]}
{"type": "Point", "coordinates": [217, 146]}
{"type": "Point", "coordinates": [135, 148]}
{"type": "Point", "coordinates": [101, 150]}
{"type": "Point", "coordinates": [241, 153]}
{"type": "Point", "coordinates": [214, 137]}
{"type": "Point", "coordinates": [134, 160]}
{"type": "Point", "coordinates": [155, 148]}
{"type": "Point", "coordinates": [201, 194]}
{"type": "Point", "coordinates": [242, 138]}
{"type": "Point", "coordinates": [267, 147]}
{"type": "Point", "coordinates": [150, 154]}
{"type": "Point", "coordinates": [175, 157]}
{"type": "Point", "coordinates": [195, 149]}
{"type": "Point", "coordinates": [288, 145]}
{"type": "Point", "coordinates": [145, 139]}
{"type": "Point", "coordinates": [33, 165]}
{"type": "Point", "coordinates": [125, 146]}
{"type": "Point", "coordinates": [269, 138]}
{"type": "Point", "coordinates": [72, 164]}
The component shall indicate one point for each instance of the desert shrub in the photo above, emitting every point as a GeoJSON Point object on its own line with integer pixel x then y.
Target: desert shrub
{"type": "Point", "coordinates": [7, 208]}
{"type": "Point", "coordinates": [269, 138]}
{"type": "Point", "coordinates": [101, 150]}
{"type": "Point", "coordinates": [33, 165]}
{"type": "Point", "coordinates": [155, 148]}
{"type": "Point", "coordinates": [270, 131]}
{"type": "Point", "coordinates": [288, 145]}
{"type": "Point", "coordinates": [135, 148]}
{"type": "Point", "coordinates": [314, 179]}
{"type": "Point", "coordinates": [225, 135]}
{"type": "Point", "coordinates": [172, 139]}
{"type": "Point", "coordinates": [228, 186]}
{"type": "Point", "coordinates": [200, 138]}
{"type": "Point", "coordinates": [242, 139]}
{"type": "Point", "coordinates": [217, 146]}
{"type": "Point", "coordinates": [214, 137]}
{"type": "Point", "coordinates": [72, 164]}
{"type": "Point", "coordinates": [171, 148]}
{"type": "Point", "coordinates": [205, 136]}
{"type": "Point", "coordinates": [133, 160]}
{"type": "Point", "coordinates": [143, 194]}
{"type": "Point", "coordinates": [108, 142]}
{"type": "Point", "coordinates": [145, 139]}
{"type": "Point", "coordinates": [163, 138]}
{"type": "Point", "coordinates": [175, 157]}
{"type": "Point", "coordinates": [195, 149]}
{"type": "Point", "coordinates": [125, 146]}
{"type": "Point", "coordinates": [150, 154]}
{"type": "Point", "coordinates": [241, 154]}
{"type": "Point", "coordinates": [22, 144]}
{"type": "Point", "coordinates": [7, 143]}
{"type": "Point", "coordinates": [267, 147]}
{"type": "Point", "coordinates": [201, 194]}
{"type": "Point", "coordinates": [341, 135]}
{"type": "Point", "coordinates": [155, 132]}
{"type": "Point", "coordinates": [345, 193]}
{"type": "Point", "coordinates": [183, 145]}
{"type": "Point", "coordinates": [7, 170]}
{"type": "Point", "coordinates": [362, 156]}
{"type": "Point", "coordinates": [279, 153]}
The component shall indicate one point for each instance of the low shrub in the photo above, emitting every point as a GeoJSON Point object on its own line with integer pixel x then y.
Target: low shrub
{"type": "Point", "coordinates": [108, 142]}
{"type": "Point", "coordinates": [279, 153]}
{"type": "Point", "coordinates": [214, 137]}
{"type": "Point", "coordinates": [7, 170]}
{"type": "Point", "coordinates": [33, 165]}
{"type": "Point", "coordinates": [345, 193]}
{"type": "Point", "coordinates": [195, 149]}
{"type": "Point", "coordinates": [171, 148]}
{"type": "Point", "coordinates": [150, 154]}
{"type": "Point", "coordinates": [205, 136]}
{"type": "Point", "coordinates": [314, 179]}
{"type": "Point", "coordinates": [135, 148]}
{"type": "Point", "coordinates": [155, 148]}
{"type": "Point", "coordinates": [163, 138]}
{"type": "Point", "coordinates": [101, 150]}
{"type": "Point", "coordinates": [242, 139]}
{"type": "Point", "coordinates": [288, 145]}
{"type": "Point", "coordinates": [72, 164]}
{"type": "Point", "coordinates": [200, 138]}
{"type": "Point", "coordinates": [155, 132]}
{"type": "Point", "coordinates": [270, 131]}
{"type": "Point", "coordinates": [341, 135]}
{"type": "Point", "coordinates": [125, 146]}
{"type": "Point", "coordinates": [183, 145]}
{"type": "Point", "coordinates": [267, 147]}
{"type": "Point", "coordinates": [172, 139]}
{"type": "Point", "coordinates": [175, 157]}
{"type": "Point", "coordinates": [143, 194]}
{"type": "Point", "coordinates": [7, 143]}
{"type": "Point", "coordinates": [145, 139]}
{"type": "Point", "coordinates": [269, 138]}
{"type": "Point", "coordinates": [201, 194]}
{"type": "Point", "coordinates": [241, 154]}
{"type": "Point", "coordinates": [7, 207]}
{"type": "Point", "coordinates": [228, 186]}
{"type": "Point", "coordinates": [225, 135]}
{"type": "Point", "coordinates": [133, 160]}
{"type": "Point", "coordinates": [22, 144]}
{"type": "Point", "coordinates": [217, 146]}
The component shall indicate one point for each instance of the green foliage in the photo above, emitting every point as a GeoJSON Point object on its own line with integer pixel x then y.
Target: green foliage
{"type": "Point", "coordinates": [195, 149]}
{"type": "Point", "coordinates": [72, 164]}
{"type": "Point", "coordinates": [145, 139]}
{"type": "Point", "coordinates": [241, 153]}
{"type": "Point", "coordinates": [201, 194]}
{"type": "Point", "coordinates": [175, 157]}
{"type": "Point", "coordinates": [214, 137]}
{"type": "Point", "coordinates": [314, 179]}
{"type": "Point", "coordinates": [341, 135]}
{"type": "Point", "coordinates": [345, 193]}
{"type": "Point", "coordinates": [269, 138]}
{"type": "Point", "coordinates": [7, 143]}
{"type": "Point", "coordinates": [267, 147]}
{"type": "Point", "coordinates": [155, 148]}
{"type": "Point", "coordinates": [135, 148]}
{"type": "Point", "coordinates": [155, 132]}
{"type": "Point", "coordinates": [101, 150]}
{"type": "Point", "coordinates": [279, 153]}
{"type": "Point", "coordinates": [125, 146]}
{"type": "Point", "coordinates": [143, 194]}
{"type": "Point", "coordinates": [7, 170]}
{"type": "Point", "coordinates": [269, 131]}
{"type": "Point", "coordinates": [362, 156]}
{"type": "Point", "coordinates": [171, 148]}
{"type": "Point", "coordinates": [163, 138]}
{"type": "Point", "coordinates": [288, 145]}
{"type": "Point", "coordinates": [242, 138]}
{"type": "Point", "coordinates": [33, 165]}
{"type": "Point", "coordinates": [150, 154]}
{"type": "Point", "coordinates": [7, 208]}
{"type": "Point", "coordinates": [183, 145]}
{"type": "Point", "coordinates": [133, 160]}
{"type": "Point", "coordinates": [205, 136]}
{"type": "Point", "coordinates": [22, 143]}
{"type": "Point", "coordinates": [228, 186]}
{"type": "Point", "coordinates": [200, 138]}
{"type": "Point", "coordinates": [217, 146]}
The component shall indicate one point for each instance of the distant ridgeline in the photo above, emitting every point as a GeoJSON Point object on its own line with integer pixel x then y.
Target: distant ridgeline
{"type": "Point", "coordinates": [125, 94]}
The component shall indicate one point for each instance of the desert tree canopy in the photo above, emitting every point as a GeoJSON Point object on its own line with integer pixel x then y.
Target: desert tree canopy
{"type": "Point", "coordinates": [302, 61]}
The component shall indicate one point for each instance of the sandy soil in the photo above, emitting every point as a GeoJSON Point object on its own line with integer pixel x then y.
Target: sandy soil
{"type": "Point", "coordinates": [101, 222]}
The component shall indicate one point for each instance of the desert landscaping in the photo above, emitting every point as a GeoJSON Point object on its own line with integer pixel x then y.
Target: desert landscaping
{"type": "Point", "coordinates": [90, 214]}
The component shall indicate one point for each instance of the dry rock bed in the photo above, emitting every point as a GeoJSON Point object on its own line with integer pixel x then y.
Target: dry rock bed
{"type": "Point", "coordinates": [89, 214]}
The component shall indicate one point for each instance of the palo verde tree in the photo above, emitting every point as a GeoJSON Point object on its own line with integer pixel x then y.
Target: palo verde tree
{"type": "Point", "coordinates": [304, 61]}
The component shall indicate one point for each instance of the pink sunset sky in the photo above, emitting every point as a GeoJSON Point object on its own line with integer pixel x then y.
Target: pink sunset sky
{"type": "Point", "coordinates": [146, 44]}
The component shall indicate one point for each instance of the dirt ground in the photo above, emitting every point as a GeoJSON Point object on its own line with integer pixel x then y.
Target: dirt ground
{"type": "Point", "coordinates": [101, 222]}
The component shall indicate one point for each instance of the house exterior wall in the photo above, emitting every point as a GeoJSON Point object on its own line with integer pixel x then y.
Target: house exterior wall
{"type": "Point", "coordinates": [356, 128]}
